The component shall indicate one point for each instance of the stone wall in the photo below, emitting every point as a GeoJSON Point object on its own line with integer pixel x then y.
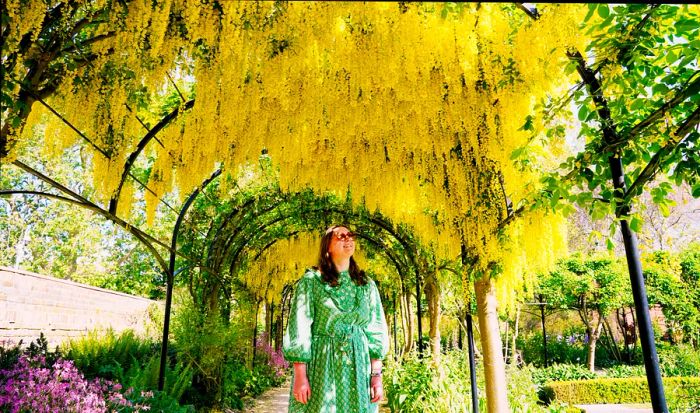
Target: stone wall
{"type": "Point", "coordinates": [31, 303]}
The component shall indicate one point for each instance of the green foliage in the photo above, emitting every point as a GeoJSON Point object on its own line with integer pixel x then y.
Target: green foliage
{"type": "Point", "coordinates": [240, 383]}
{"type": "Point", "coordinates": [596, 283]}
{"type": "Point", "coordinates": [645, 61]}
{"type": "Point", "coordinates": [678, 360]}
{"type": "Point", "coordinates": [106, 354]}
{"type": "Point", "coordinates": [558, 372]}
{"type": "Point", "coordinates": [178, 378]}
{"type": "Point", "coordinates": [560, 349]}
{"type": "Point", "coordinates": [128, 360]}
{"type": "Point", "coordinates": [10, 353]}
{"type": "Point", "coordinates": [685, 399]}
{"type": "Point", "coordinates": [157, 401]}
{"type": "Point", "coordinates": [212, 347]}
{"type": "Point", "coordinates": [617, 390]}
{"type": "Point", "coordinates": [671, 283]}
{"type": "Point", "coordinates": [412, 386]}
{"type": "Point", "coordinates": [623, 370]}
{"type": "Point", "coordinates": [561, 372]}
{"type": "Point", "coordinates": [415, 385]}
{"type": "Point", "coordinates": [593, 286]}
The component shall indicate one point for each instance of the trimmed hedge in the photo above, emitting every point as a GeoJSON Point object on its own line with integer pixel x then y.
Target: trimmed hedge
{"type": "Point", "coordinates": [615, 390]}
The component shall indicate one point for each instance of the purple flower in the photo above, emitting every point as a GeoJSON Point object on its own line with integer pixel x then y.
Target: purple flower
{"type": "Point", "coordinates": [33, 386]}
{"type": "Point", "coordinates": [274, 359]}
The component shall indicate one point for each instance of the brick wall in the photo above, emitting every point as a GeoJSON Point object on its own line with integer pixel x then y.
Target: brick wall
{"type": "Point", "coordinates": [31, 303]}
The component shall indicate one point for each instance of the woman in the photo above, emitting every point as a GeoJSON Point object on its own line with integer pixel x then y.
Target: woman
{"type": "Point", "coordinates": [337, 335]}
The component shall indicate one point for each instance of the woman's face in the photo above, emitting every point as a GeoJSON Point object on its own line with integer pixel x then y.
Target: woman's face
{"type": "Point", "coordinates": [342, 244]}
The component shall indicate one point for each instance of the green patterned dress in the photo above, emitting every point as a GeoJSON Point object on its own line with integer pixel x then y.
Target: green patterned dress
{"type": "Point", "coordinates": [335, 331]}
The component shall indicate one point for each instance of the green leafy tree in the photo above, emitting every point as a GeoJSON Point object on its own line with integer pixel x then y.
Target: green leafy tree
{"type": "Point", "coordinates": [594, 287]}
{"type": "Point", "coordinates": [673, 282]}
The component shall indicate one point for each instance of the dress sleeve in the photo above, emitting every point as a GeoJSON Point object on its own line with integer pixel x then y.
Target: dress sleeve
{"type": "Point", "coordinates": [376, 331]}
{"type": "Point", "coordinates": [296, 344]}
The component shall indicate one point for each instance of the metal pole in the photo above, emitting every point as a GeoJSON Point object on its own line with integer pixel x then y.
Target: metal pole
{"type": "Point", "coordinates": [170, 276]}
{"type": "Point", "coordinates": [472, 365]}
{"type": "Point", "coordinates": [641, 303]}
{"type": "Point", "coordinates": [420, 325]}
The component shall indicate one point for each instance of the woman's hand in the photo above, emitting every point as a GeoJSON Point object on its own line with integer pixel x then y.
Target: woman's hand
{"type": "Point", "coordinates": [302, 390]}
{"type": "Point", "coordinates": [376, 389]}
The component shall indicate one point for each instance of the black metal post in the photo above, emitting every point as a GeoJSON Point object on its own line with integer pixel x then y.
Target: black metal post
{"type": "Point", "coordinates": [418, 310]}
{"type": "Point", "coordinates": [544, 332]}
{"type": "Point", "coordinates": [641, 303]}
{"type": "Point", "coordinates": [472, 365]}
{"type": "Point", "coordinates": [170, 277]}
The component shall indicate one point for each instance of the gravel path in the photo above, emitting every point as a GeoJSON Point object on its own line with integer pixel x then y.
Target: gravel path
{"type": "Point", "coordinates": [276, 400]}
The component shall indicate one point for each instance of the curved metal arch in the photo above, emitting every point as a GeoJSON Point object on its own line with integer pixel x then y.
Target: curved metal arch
{"type": "Point", "coordinates": [373, 220]}
{"type": "Point", "coordinates": [234, 260]}
{"type": "Point", "coordinates": [139, 148]}
{"type": "Point", "coordinates": [171, 275]}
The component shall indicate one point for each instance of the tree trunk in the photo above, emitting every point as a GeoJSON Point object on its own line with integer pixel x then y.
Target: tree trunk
{"type": "Point", "coordinates": [593, 336]}
{"type": "Point", "coordinates": [494, 367]}
{"type": "Point", "coordinates": [407, 320]}
{"type": "Point", "coordinates": [432, 294]}
{"type": "Point", "coordinates": [513, 349]}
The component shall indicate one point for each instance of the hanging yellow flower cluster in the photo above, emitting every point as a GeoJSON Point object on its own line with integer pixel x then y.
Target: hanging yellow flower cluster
{"type": "Point", "coordinates": [279, 265]}
{"type": "Point", "coordinates": [287, 259]}
{"type": "Point", "coordinates": [414, 112]}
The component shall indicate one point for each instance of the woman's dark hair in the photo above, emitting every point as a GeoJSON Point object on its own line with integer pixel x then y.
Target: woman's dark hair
{"type": "Point", "coordinates": [329, 274]}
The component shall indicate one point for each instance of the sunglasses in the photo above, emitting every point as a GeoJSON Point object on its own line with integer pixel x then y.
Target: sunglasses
{"type": "Point", "coordinates": [345, 236]}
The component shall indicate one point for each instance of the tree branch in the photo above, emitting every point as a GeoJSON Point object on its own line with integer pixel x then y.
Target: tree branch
{"type": "Point", "coordinates": [691, 87]}
{"type": "Point", "coordinates": [44, 194]}
{"type": "Point", "coordinates": [148, 240]}
{"type": "Point", "coordinates": [652, 167]}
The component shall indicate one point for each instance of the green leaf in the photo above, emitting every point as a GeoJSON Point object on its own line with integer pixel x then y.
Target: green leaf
{"type": "Point", "coordinates": [528, 124]}
{"type": "Point", "coordinates": [591, 9]}
{"type": "Point", "coordinates": [686, 25]}
{"type": "Point", "coordinates": [664, 209]}
{"type": "Point", "coordinates": [583, 113]}
{"type": "Point", "coordinates": [518, 152]}
{"type": "Point", "coordinates": [594, 236]}
{"type": "Point", "coordinates": [696, 190]}
{"type": "Point", "coordinates": [671, 56]}
{"type": "Point", "coordinates": [659, 88]}
{"type": "Point", "coordinates": [636, 224]}
{"type": "Point", "coordinates": [637, 104]}
{"type": "Point", "coordinates": [610, 244]}
{"type": "Point", "coordinates": [603, 11]}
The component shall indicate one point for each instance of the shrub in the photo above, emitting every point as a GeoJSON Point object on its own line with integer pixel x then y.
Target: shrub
{"type": "Point", "coordinates": [559, 372]}
{"type": "Point", "coordinates": [129, 360]}
{"type": "Point", "coordinates": [9, 354]}
{"type": "Point", "coordinates": [678, 360]}
{"type": "Point", "coordinates": [414, 385]}
{"type": "Point", "coordinates": [106, 354]}
{"type": "Point", "coordinates": [625, 371]}
{"type": "Point", "coordinates": [569, 348]}
{"type": "Point", "coordinates": [270, 361]}
{"type": "Point", "coordinates": [616, 390]}
{"type": "Point", "coordinates": [32, 385]}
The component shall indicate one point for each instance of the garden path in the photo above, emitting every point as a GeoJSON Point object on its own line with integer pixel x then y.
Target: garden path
{"type": "Point", "coordinates": [276, 400]}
